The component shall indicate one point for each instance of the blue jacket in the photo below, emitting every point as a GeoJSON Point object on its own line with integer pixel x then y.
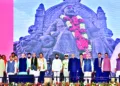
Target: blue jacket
{"type": "Point", "coordinates": [87, 65]}
{"type": "Point", "coordinates": [10, 67]}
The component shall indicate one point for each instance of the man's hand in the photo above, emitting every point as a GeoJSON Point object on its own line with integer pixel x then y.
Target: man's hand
{"type": "Point", "coordinates": [39, 68]}
{"type": "Point", "coordinates": [61, 71]}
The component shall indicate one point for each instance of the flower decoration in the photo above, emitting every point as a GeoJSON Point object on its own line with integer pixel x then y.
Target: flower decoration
{"type": "Point", "coordinates": [77, 26]}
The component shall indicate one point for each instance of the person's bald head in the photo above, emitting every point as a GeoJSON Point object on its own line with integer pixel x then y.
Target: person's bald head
{"type": "Point", "coordinates": [73, 55]}
{"type": "Point", "coordinates": [23, 55]}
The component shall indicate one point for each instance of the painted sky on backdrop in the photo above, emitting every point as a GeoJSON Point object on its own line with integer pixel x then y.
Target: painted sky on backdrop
{"type": "Point", "coordinates": [24, 12]}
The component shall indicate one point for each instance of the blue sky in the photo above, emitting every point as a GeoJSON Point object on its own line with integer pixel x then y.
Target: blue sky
{"type": "Point", "coordinates": [24, 12]}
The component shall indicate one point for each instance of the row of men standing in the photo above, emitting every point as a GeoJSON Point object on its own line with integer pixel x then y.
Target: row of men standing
{"type": "Point", "coordinates": [25, 65]}
{"type": "Point", "coordinates": [75, 69]}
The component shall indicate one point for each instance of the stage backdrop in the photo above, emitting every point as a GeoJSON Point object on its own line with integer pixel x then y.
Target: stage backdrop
{"type": "Point", "coordinates": [66, 26]}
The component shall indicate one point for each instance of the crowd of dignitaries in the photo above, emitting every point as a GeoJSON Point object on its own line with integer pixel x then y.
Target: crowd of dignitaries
{"type": "Point", "coordinates": [74, 69]}
{"type": "Point", "coordinates": [25, 65]}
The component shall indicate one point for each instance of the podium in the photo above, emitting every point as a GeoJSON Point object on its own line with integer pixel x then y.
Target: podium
{"type": "Point", "coordinates": [21, 78]}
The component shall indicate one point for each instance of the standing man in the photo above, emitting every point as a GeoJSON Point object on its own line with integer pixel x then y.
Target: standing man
{"type": "Point", "coordinates": [22, 64]}
{"type": "Point", "coordinates": [65, 69]}
{"type": "Point", "coordinates": [28, 62]}
{"type": "Point", "coordinates": [80, 64]}
{"type": "Point", "coordinates": [34, 62]}
{"type": "Point", "coordinates": [42, 64]}
{"type": "Point", "coordinates": [118, 67]}
{"type": "Point", "coordinates": [87, 68]}
{"type": "Point", "coordinates": [2, 68]}
{"type": "Point", "coordinates": [73, 68]}
{"type": "Point", "coordinates": [106, 67]}
{"type": "Point", "coordinates": [97, 67]}
{"type": "Point", "coordinates": [56, 68]}
{"type": "Point", "coordinates": [34, 67]}
{"type": "Point", "coordinates": [11, 67]}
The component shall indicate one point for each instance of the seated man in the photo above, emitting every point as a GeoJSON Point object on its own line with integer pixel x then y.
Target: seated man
{"type": "Point", "coordinates": [22, 64]}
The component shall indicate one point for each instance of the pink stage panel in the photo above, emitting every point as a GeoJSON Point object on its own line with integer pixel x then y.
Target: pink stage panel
{"type": "Point", "coordinates": [6, 27]}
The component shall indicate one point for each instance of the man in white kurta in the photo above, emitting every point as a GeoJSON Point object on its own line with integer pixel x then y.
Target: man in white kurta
{"type": "Point", "coordinates": [2, 68]}
{"type": "Point", "coordinates": [87, 68]}
{"type": "Point", "coordinates": [56, 68]}
{"type": "Point", "coordinates": [28, 62]}
{"type": "Point", "coordinates": [65, 68]}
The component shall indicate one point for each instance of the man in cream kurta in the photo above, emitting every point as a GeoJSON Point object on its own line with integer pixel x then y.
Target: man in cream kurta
{"type": "Point", "coordinates": [65, 68]}
{"type": "Point", "coordinates": [2, 68]}
{"type": "Point", "coordinates": [42, 64]}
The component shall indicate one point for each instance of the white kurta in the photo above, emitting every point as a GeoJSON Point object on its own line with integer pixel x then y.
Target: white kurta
{"type": "Point", "coordinates": [56, 67]}
{"type": "Point", "coordinates": [28, 63]}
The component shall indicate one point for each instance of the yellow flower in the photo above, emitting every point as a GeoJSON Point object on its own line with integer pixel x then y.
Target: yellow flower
{"type": "Point", "coordinates": [82, 25]}
{"type": "Point", "coordinates": [112, 79]}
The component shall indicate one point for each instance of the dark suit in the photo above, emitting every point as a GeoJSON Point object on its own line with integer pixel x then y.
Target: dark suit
{"type": "Point", "coordinates": [73, 69]}
{"type": "Point", "coordinates": [97, 68]}
{"type": "Point", "coordinates": [80, 73]}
